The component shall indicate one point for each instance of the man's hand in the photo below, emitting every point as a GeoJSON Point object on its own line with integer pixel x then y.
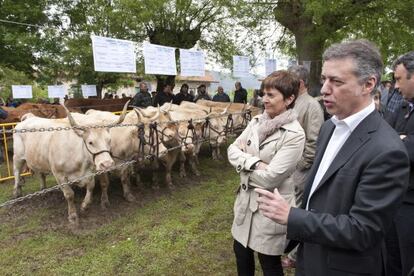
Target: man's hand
{"type": "Point", "coordinates": [273, 205]}
{"type": "Point", "coordinates": [402, 136]}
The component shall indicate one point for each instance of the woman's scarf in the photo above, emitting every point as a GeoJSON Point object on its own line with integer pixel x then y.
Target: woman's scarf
{"type": "Point", "coordinates": [268, 126]}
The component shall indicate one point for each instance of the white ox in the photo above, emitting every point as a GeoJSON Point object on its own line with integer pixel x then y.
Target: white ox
{"type": "Point", "coordinates": [67, 154]}
{"type": "Point", "coordinates": [125, 147]}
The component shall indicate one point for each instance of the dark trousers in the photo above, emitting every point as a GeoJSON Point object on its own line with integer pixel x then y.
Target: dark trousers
{"type": "Point", "coordinates": [400, 242]}
{"type": "Point", "coordinates": [271, 265]}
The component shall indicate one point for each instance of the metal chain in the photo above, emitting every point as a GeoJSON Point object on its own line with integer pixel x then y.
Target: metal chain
{"type": "Point", "coordinates": [49, 129]}
{"type": "Point", "coordinates": [59, 186]}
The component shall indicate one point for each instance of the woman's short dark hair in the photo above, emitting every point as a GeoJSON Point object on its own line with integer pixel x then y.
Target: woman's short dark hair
{"type": "Point", "coordinates": [184, 85]}
{"type": "Point", "coordinates": [285, 82]}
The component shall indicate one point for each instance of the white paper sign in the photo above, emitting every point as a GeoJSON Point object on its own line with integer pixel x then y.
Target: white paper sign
{"type": "Point", "coordinates": [159, 60]}
{"type": "Point", "coordinates": [241, 66]}
{"type": "Point", "coordinates": [56, 91]}
{"type": "Point", "coordinates": [192, 63]}
{"type": "Point", "coordinates": [22, 91]}
{"type": "Point", "coordinates": [270, 65]}
{"type": "Point", "coordinates": [307, 64]}
{"type": "Point", "coordinates": [89, 90]}
{"type": "Point", "coordinates": [113, 55]}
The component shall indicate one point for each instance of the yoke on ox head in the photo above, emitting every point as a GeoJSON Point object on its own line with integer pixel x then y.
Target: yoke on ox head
{"type": "Point", "coordinates": [97, 140]}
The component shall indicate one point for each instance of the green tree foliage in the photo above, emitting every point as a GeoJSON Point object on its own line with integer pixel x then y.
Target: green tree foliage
{"type": "Point", "coordinates": [312, 25]}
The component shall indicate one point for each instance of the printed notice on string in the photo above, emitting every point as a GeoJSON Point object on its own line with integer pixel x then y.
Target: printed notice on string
{"type": "Point", "coordinates": [159, 60]}
{"type": "Point", "coordinates": [241, 66]}
{"type": "Point", "coordinates": [22, 91]}
{"type": "Point", "coordinates": [270, 65]}
{"type": "Point", "coordinates": [192, 63]}
{"type": "Point", "coordinates": [113, 55]}
{"type": "Point", "coordinates": [89, 90]}
{"type": "Point", "coordinates": [56, 91]}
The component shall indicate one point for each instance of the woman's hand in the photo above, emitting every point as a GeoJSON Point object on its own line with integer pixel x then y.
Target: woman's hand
{"type": "Point", "coordinates": [260, 165]}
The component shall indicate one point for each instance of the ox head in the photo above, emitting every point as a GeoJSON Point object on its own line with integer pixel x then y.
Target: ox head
{"type": "Point", "coordinates": [97, 141]}
{"type": "Point", "coordinates": [217, 131]}
{"type": "Point", "coordinates": [166, 127]}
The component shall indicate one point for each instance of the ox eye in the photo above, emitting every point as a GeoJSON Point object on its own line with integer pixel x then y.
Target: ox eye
{"type": "Point", "coordinates": [90, 143]}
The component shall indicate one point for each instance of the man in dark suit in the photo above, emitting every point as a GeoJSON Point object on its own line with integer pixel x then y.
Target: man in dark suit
{"type": "Point", "coordinates": [400, 239]}
{"type": "Point", "coordinates": [358, 178]}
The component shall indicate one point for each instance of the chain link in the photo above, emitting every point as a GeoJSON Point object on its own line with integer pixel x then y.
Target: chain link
{"type": "Point", "coordinates": [50, 129]}
{"type": "Point", "coordinates": [126, 163]}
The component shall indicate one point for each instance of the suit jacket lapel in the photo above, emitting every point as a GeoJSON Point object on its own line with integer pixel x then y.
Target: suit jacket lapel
{"type": "Point", "coordinates": [322, 143]}
{"type": "Point", "coordinates": [360, 135]}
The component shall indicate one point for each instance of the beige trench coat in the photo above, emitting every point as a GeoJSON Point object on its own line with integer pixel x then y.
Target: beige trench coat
{"type": "Point", "coordinates": [281, 151]}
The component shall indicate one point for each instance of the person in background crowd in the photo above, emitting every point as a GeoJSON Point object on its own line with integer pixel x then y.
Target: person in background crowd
{"type": "Point", "coordinates": [394, 100]}
{"type": "Point", "coordinates": [240, 94]}
{"type": "Point", "coordinates": [142, 98]}
{"type": "Point", "coordinates": [256, 100]}
{"type": "Point", "coordinates": [310, 117]}
{"type": "Point", "coordinates": [124, 96]}
{"type": "Point", "coordinates": [183, 95]}
{"type": "Point", "coordinates": [377, 102]}
{"type": "Point", "coordinates": [116, 96]}
{"type": "Point", "coordinates": [400, 239]}
{"type": "Point", "coordinates": [221, 96]}
{"type": "Point", "coordinates": [3, 114]}
{"type": "Point", "coordinates": [202, 93]}
{"type": "Point", "coordinates": [56, 101]}
{"type": "Point", "coordinates": [357, 180]}
{"type": "Point", "coordinates": [192, 93]}
{"type": "Point", "coordinates": [65, 98]}
{"type": "Point", "coordinates": [385, 89]}
{"type": "Point", "coordinates": [265, 155]}
{"type": "Point", "coordinates": [164, 96]}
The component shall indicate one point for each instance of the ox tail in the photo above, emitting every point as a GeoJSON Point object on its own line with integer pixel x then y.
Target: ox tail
{"type": "Point", "coordinates": [27, 115]}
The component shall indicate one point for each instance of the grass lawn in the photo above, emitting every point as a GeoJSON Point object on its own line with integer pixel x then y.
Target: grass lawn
{"type": "Point", "coordinates": [183, 232]}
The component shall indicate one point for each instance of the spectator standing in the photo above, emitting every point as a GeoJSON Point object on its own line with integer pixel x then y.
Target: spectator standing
{"type": "Point", "coordinates": [240, 94]}
{"type": "Point", "coordinates": [183, 95]}
{"type": "Point", "coordinates": [164, 96]}
{"type": "Point", "coordinates": [221, 96]}
{"type": "Point", "coordinates": [256, 101]}
{"type": "Point", "coordinates": [265, 155]}
{"type": "Point", "coordinates": [400, 239]}
{"type": "Point", "coordinates": [202, 93]}
{"type": "Point", "coordinates": [142, 98]}
{"type": "Point", "coordinates": [310, 117]}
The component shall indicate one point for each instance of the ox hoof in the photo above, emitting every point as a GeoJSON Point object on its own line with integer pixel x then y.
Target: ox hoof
{"type": "Point", "coordinates": [129, 197]}
{"type": "Point", "coordinates": [183, 174]}
{"type": "Point", "coordinates": [156, 187]}
{"type": "Point", "coordinates": [17, 193]}
{"type": "Point", "coordinates": [74, 222]}
{"type": "Point", "coordinates": [197, 173]}
{"type": "Point", "coordinates": [220, 157]}
{"type": "Point", "coordinates": [105, 205]}
{"type": "Point", "coordinates": [84, 208]}
{"type": "Point", "coordinates": [171, 186]}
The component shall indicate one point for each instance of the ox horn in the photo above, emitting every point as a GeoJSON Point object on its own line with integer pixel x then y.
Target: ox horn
{"type": "Point", "coordinates": [157, 115]}
{"type": "Point", "coordinates": [226, 109]}
{"type": "Point", "coordinates": [70, 118]}
{"type": "Point", "coordinates": [122, 117]}
{"type": "Point", "coordinates": [139, 115]}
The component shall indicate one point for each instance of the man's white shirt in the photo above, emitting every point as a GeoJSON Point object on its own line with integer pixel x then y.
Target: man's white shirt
{"type": "Point", "coordinates": [343, 129]}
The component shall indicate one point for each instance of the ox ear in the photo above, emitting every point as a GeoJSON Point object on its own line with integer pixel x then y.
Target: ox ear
{"type": "Point", "coordinates": [122, 117]}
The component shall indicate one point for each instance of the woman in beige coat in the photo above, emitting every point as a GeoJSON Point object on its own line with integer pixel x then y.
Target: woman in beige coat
{"type": "Point", "coordinates": [265, 155]}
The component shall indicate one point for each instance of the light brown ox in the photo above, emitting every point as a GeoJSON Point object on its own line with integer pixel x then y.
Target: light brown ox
{"type": "Point", "coordinates": [190, 130]}
{"type": "Point", "coordinates": [68, 154]}
{"type": "Point", "coordinates": [125, 147]}
{"type": "Point", "coordinates": [215, 128]}
{"type": "Point", "coordinates": [167, 132]}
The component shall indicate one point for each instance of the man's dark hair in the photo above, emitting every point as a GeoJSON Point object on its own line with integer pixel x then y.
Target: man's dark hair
{"type": "Point", "coordinates": [408, 61]}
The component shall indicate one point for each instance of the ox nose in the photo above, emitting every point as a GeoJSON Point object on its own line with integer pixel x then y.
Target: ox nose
{"type": "Point", "coordinates": [187, 148]}
{"type": "Point", "coordinates": [106, 164]}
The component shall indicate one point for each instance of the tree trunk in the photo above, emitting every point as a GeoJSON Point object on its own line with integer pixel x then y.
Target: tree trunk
{"type": "Point", "coordinates": [310, 49]}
